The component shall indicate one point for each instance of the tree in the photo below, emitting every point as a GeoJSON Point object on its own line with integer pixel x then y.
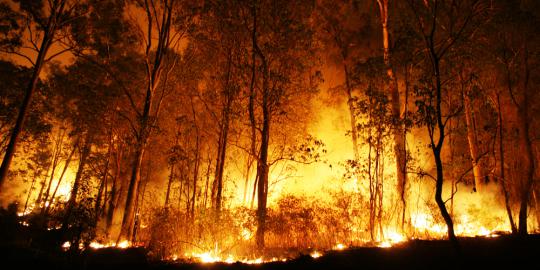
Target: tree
{"type": "Point", "coordinates": [43, 24]}
{"type": "Point", "coordinates": [443, 26]}
{"type": "Point", "coordinates": [399, 129]}
{"type": "Point", "coordinates": [283, 64]}
{"type": "Point", "coordinates": [161, 18]}
{"type": "Point", "coordinates": [515, 41]}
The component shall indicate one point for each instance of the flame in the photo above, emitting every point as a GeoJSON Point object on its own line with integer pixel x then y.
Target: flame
{"type": "Point", "coordinates": [340, 247]}
{"type": "Point", "coordinates": [122, 245]}
{"type": "Point", "coordinates": [315, 254]}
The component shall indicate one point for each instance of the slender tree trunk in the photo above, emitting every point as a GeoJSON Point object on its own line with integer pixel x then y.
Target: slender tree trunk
{"type": "Point", "coordinates": [262, 168]}
{"type": "Point", "coordinates": [103, 182]}
{"type": "Point", "coordinates": [472, 139]}
{"type": "Point", "coordinates": [437, 149]}
{"type": "Point", "coordinates": [114, 192]}
{"type": "Point", "coordinates": [398, 130]}
{"type": "Point", "coordinates": [56, 159]}
{"type": "Point", "coordinates": [196, 165]}
{"type": "Point", "coordinates": [501, 168]}
{"type": "Point", "coordinates": [154, 68]}
{"type": "Point", "coordinates": [66, 166]}
{"type": "Point", "coordinates": [36, 175]}
{"type": "Point", "coordinates": [528, 164]}
{"type": "Point", "coordinates": [85, 152]}
{"type": "Point", "coordinates": [208, 167]}
{"type": "Point", "coordinates": [171, 177]}
{"type": "Point", "coordinates": [350, 104]}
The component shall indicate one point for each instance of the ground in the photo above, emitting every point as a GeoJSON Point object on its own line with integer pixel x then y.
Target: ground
{"type": "Point", "coordinates": [510, 252]}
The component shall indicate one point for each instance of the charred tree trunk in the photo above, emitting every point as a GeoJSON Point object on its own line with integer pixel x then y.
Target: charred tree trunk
{"type": "Point", "coordinates": [528, 163]}
{"type": "Point", "coordinates": [437, 149]}
{"type": "Point", "coordinates": [501, 168]}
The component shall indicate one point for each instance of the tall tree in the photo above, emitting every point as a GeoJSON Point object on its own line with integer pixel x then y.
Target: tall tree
{"type": "Point", "coordinates": [161, 17]}
{"type": "Point", "coordinates": [43, 24]}
{"type": "Point", "coordinates": [399, 129]}
{"type": "Point", "coordinates": [443, 26]}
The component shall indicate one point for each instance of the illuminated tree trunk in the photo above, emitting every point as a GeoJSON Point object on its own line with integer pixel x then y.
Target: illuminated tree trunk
{"type": "Point", "coordinates": [398, 130]}
{"type": "Point", "coordinates": [48, 36]}
{"type": "Point", "coordinates": [472, 139]}
{"type": "Point", "coordinates": [223, 137]}
{"type": "Point", "coordinates": [66, 166]}
{"type": "Point", "coordinates": [115, 194]}
{"type": "Point", "coordinates": [56, 159]}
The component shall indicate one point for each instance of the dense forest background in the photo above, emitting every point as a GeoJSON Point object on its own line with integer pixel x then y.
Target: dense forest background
{"type": "Point", "coordinates": [187, 126]}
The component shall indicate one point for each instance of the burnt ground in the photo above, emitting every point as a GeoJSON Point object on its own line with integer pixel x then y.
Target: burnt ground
{"type": "Point", "coordinates": [508, 252]}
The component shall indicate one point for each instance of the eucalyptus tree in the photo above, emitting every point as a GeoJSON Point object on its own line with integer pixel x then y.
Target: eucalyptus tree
{"type": "Point", "coordinates": [44, 23]}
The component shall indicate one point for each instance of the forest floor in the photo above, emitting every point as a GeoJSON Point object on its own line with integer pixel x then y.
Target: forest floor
{"type": "Point", "coordinates": [503, 252]}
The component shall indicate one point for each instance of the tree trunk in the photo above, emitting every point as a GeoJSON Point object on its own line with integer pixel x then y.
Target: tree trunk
{"type": "Point", "coordinates": [126, 230]}
{"type": "Point", "coordinates": [262, 168]}
{"type": "Point", "coordinates": [103, 182]}
{"type": "Point", "coordinates": [437, 149]}
{"type": "Point", "coordinates": [66, 166]}
{"type": "Point", "coordinates": [114, 192]}
{"type": "Point", "coordinates": [154, 68]}
{"type": "Point", "coordinates": [472, 139]}
{"type": "Point", "coordinates": [350, 100]}
{"type": "Point", "coordinates": [398, 130]}
{"type": "Point", "coordinates": [528, 164]}
{"type": "Point", "coordinates": [501, 168]}
{"type": "Point", "coordinates": [56, 159]}
{"type": "Point", "coordinates": [167, 195]}
{"type": "Point", "coordinates": [85, 152]}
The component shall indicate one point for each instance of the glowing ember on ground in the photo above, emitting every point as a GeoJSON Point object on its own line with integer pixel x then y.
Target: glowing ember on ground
{"type": "Point", "coordinates": [315, 254]}
{"type": "Point", "coordinates": [340, 247]}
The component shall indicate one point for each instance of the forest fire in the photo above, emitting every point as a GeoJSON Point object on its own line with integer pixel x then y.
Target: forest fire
{"type": "Point", "coordinates": [269, 132]}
